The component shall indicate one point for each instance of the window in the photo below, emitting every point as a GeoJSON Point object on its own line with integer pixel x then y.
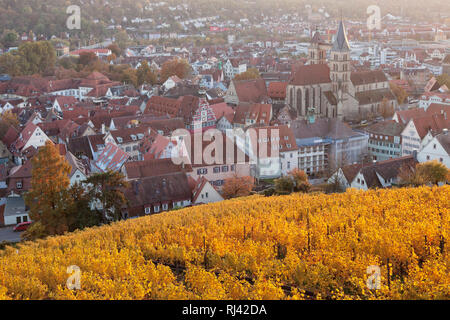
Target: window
{"type": "Point", "coordinates": [156, 208]}
{"type": "Point", "coordinates": [165, 206]}
{"type": "Point", "coordinates": [19, 185]}
{"type": "Point", "coordinates": [202, 171]}
{"type": "Point", "coordinates": [147, 210]}
{"type": "Point", "coordinates": [233, 167]}
{"type": "Point", "coordinates": [428, 157]}
{"type": "Point", "coordinates": [25, 218]}
{"type": "Point", "coordinates": [216, 169]}
{"type": "Point", "coordinates": [206, 194]}
{"type": "Point", "coordinates": [225, 169]}
{"type": "Point", "coordinates": [18, 220]}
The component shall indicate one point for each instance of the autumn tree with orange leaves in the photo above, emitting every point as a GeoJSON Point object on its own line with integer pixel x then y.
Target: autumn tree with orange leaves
{"type": "Point", "coordinates": [48, 198]}
{"type": "Point", "coordinates": [237, 187]}
{"type": "Point", "coordinates": [175, 67]}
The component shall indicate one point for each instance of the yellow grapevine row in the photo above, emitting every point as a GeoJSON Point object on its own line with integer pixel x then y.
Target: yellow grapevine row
{"type": "Point", "coordinates": [289, 247]}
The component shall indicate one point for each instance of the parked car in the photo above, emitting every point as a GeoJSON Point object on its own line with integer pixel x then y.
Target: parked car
{"type": "Point", "coordinates": [22, 226]}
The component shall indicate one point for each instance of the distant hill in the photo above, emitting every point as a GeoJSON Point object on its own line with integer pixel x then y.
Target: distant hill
{"type": "Point", "coordinates": [297, 246]}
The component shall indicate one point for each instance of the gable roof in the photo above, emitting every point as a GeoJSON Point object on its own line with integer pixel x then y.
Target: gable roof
{"type": "Point", "coordinates": [434, 124]}
{"type": "Point", "coordinates": [325, 128]}
{"type": "Point", "coordinates": [277, 90]}
{"type": "Point", "coordinates": [159, 189]}
{"type": "Point", "coordinates": [112, 158]}
{"type": "Point", "coordinates": [153, 167]}
{"type": "Point", "coordinates": [254, 90]}
{"type": "Point", "coordinates": [367, 77]}
{"type": "Point", "coordinates": [311, 74]}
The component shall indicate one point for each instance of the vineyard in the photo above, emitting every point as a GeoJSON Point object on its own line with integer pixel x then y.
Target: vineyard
{"type": "Point", "coordinates": [289, 247]}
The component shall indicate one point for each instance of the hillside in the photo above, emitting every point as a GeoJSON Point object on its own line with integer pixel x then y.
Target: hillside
{"type": "Point", "coordinates": [290, 247]}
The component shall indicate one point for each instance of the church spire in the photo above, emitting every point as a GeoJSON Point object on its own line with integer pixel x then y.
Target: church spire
{"type": "Point", "coordinates": [341, 42]}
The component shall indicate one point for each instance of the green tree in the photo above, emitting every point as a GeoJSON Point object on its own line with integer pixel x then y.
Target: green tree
{"type": "Point", "coordinates": [105, 192]}
{"type": "Point", "coordinates": [10, 38]}
{"type": "Point", "coordinates": [48, 199]}
{"type": "Point", "coordinates": [284, 185]}
{"type": "Point", "coordinates": [31, 58]}
{"type": "Point", "coordinates": [83, 216]}
{"type": "Point", "coordinates": [122, 40]}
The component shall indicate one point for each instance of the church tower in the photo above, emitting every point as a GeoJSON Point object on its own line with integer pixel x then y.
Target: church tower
{"type": "Point", "coordinates": [317, 51]}
{"type": "Point", "coordinates": [340, 68]}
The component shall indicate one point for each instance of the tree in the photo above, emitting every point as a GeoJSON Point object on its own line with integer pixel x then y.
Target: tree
{"type": "Point", "coordinates": [48, 198]}
{"type": "Point", "coordinates": [9, 64]}
{"type": "Point", "coordinates": [237, 187]}
{"type": "Point", "coordinates": [386, 108]}
{"type": "Point", "coordinates": [80, 210]}
{"type": "Point", "coordinates": [8, 119]}
{"type": "Point", "coordinates": [145, 74]}
{"type": "Point", "coordinates": [284, 185]}
{"type": "Point", "coordinates": [431, 172]}
{"type": "Point", "coordinates": [111, 57]}
{"type": "Point", "coordinates": [399, 93]}
{"type": "Point", "coordinates": [122, 40]}
{"type": "Point", "coordinates": [250, 74]}
{"type": "Point", "coordinates": [444, 79]}
{"type": "Point", "coordinates": [175, 67]}
{"type": "Point", "coordinates": [115, 49]}
{"type": "Point", "coordinates": [36, 57]}
{"type": "Point", "coordinates": [105, 191]}
{"type": "Point", "coordinates": [300, 178]}
{"type": "Point", "coordinates": [87, 58]}
{"type": "Point", "coordinates": [334, 185]}
{"type": "Point", "coordinates": [10, 38]}
{"type": "Point", "coordinates": [129, 75]}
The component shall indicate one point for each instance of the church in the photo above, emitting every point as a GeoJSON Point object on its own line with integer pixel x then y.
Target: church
{"type": "Point", "coordinates": [328, 88]}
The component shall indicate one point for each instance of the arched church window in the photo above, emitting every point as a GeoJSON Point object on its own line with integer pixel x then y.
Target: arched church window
{"type": "Point", "coordinates": [299, 101]}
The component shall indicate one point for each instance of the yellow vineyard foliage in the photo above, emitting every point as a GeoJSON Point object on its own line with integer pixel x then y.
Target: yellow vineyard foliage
{"type": "Point", "coordinates": [290, 247]}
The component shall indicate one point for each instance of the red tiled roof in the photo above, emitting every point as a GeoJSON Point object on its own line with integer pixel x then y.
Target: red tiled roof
{"type": "Point", "coordinates": [311, 74]}
{"type": "Point", "coordinates": [277, 90]}
{"type": "Point", "coordinates": [251, 90]}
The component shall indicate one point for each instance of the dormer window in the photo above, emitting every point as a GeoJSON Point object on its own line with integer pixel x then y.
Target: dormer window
{"type": "Point", "coordinates": [119, 140]}
{"type": "Point", "coordinates": [133, 137]}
